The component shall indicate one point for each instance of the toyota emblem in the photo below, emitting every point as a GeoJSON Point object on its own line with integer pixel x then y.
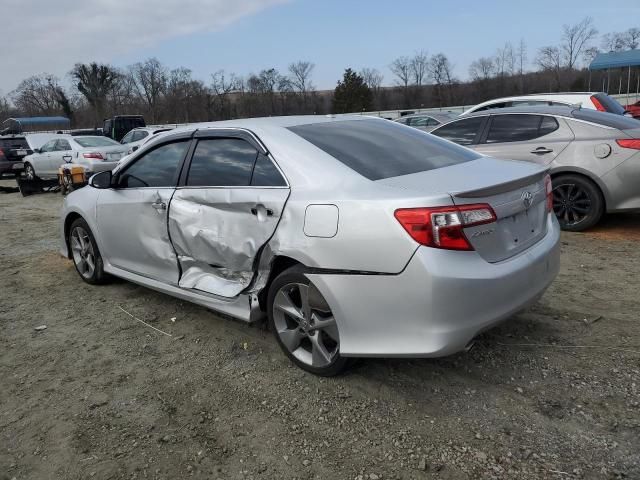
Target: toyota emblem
{"type": "Point", "coordinates": [527, 199]}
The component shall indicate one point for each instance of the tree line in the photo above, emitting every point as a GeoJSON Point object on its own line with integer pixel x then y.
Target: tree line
{"type": "Point", "coordinates": [165, 95]}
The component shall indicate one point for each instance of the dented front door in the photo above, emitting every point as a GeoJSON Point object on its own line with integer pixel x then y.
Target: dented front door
{"type": "Point", "coordinates": [218, 230]}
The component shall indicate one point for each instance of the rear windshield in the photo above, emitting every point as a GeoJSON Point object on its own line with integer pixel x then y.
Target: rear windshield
{"type": "Point", "coordinates": [607, 119]}
{"type": "Point", "coordinates": [13, 143]}
{"type": "Point", "coordinates": [610, 104]}
{"type": "Point", "coordinates": [378, 149]}
{"type": "Point", "coordinates": [95, 142]}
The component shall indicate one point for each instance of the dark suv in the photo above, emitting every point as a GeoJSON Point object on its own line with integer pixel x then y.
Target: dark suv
{"type": "Point", "coordinates": [13, 148]}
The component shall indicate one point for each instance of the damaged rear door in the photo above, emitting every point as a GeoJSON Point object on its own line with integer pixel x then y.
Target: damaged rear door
{"type": "Point", "coordinates": [226, 208]}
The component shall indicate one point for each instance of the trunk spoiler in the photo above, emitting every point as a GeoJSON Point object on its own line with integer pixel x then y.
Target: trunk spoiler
{"type": "Point", "coordinates": [502, 187]}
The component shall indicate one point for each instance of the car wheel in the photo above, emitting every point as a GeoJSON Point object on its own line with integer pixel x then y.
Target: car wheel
{"type": "Point", "coordinates": [577, 202]}
{"type": "Point", "coordinates": [85, 253]}
{"type": "Point", "coordinates": [29, 172]}
{"type": "Point", "coordinates": [303, 324]}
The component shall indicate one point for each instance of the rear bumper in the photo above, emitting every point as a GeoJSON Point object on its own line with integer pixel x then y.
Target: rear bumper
{"type": "Point", "coordinates": [440, 302]}
{"type": "Point", "coordinates": [11, 167]}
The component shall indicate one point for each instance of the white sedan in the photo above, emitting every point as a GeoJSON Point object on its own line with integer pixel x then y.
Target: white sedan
{"type": "Point", "coordinates": [94, 153]}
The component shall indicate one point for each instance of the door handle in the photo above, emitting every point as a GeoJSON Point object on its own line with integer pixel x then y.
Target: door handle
{"type": "Point", "coordinates": [541, 150]}
{"type": "Point", "coordinates": [258, 208]}
{"type": "Point", "coordinates": [159, 205]}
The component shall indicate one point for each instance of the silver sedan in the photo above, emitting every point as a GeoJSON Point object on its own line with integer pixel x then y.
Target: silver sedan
{"type": "Point", "coordinates": [594, 156]}
{"type": "Point", "coordinates": [94, 153]}
{"type": "Point", "coordinates": [426, 121]}
{"type": "Point", "coordinates": [355, 236]}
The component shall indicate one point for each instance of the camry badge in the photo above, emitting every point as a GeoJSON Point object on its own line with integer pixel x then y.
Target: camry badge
{"type": "Point", "coordinates": [527, 199]}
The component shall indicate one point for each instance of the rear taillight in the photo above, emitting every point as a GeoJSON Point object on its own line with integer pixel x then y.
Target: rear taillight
{"type": "Point", "coordinates": [443, 227]}
{"type": "Point", "coordinates": [629, 143]}
{"type": "Point", "coordinates": [548, 187]}
{"type": "Point", "coordinates": [597, 104]}
{"type": "Point", "coordinates": [93, 155]}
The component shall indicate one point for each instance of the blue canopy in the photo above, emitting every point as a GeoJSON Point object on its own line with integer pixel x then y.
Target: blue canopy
{"type": "Point", "coordinates": [603, 61]}
{"type": "Point", "coordinates": [44, 121]}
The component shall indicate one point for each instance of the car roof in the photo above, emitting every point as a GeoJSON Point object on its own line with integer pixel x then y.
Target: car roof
{"type": "Point", "coordinates": [559, 110]}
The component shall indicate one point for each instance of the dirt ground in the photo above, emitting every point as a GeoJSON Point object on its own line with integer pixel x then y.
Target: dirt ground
{"type": "Point", "coordinates": [551, 393]}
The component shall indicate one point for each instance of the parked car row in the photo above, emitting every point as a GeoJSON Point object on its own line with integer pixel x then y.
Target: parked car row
{"type": "Point", "coordinates": [592, 148]}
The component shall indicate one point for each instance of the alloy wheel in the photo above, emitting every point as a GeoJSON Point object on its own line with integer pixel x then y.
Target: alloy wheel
{"type": "Point", "coordinates": [82, 251]}
{"type": "Point", "coordinates": [30, 172]}
{"type": "Point", "coordinates": [571, 203]}
{"type": "Point", "coordinates": [305, 325]}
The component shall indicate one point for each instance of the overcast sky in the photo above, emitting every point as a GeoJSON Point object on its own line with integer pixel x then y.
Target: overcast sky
{"type": "Point", "coordinates": [245, 36]}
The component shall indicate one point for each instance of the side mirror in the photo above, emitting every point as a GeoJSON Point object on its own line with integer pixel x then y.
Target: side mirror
{"type": "Point", "coordinates": [101, 180]}
{"type": "Point", "coordinates": [134, 148]}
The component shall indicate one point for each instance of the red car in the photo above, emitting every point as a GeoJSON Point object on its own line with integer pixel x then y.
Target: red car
{"type": "Point", "coordinates": [634, 109]}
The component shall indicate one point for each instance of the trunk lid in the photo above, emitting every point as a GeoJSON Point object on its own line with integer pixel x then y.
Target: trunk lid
{"type": "Point", "coordinates": [515, 190]}
{"type": "Point", "coordinates": [109, 154]}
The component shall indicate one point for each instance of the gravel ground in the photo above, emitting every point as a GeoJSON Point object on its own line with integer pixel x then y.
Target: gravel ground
{"type": "Point", "coordinates": [551, 393]}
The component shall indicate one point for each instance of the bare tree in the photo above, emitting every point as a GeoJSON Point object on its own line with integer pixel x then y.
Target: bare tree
{"type": "Point", "coordinates": [632, 37]}
{"type": "Point", "coordinates": [95, 82]}
{"type": "Point", "coordinates": [505, 60]}
{"type": "Point", "coordinates": [418, 67]}
{"type": "Point", "coordinates": [401, 68]}
{"type": "Point", "coordinates": [150, 82]}
{"type": "Point", "coordinates": [521, 56]}
{"type": "Point", "coordinates": [482, 69]}
{"type": "Point", "coordinates": [613, 42]}
{"type": "Point", "coordinates": [372, 77]}
{"type": "Point", "coordinates": [301, 76]}
{"type": "Point", "coordinates": [440, 71]}
{"type": "Point", "coordinates": [36, 95]}
{"type": "Point", "coordinates": [550, 59]}
{"type": "Point", "coordinates": [575, 40]}
{"type": "Point", "coordinates": [222, 86]}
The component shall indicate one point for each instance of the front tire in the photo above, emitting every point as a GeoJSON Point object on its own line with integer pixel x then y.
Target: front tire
{"type": "Point", "coordinates": [29, 172]}
{"type": "Point", "coordinates": [577, 202]}
{"type": "Point", "coordinates": [303, 324]}
{"type": "Point", "coordinates": [85, 253]}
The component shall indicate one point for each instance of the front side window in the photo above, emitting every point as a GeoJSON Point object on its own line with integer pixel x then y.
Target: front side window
{"type": "Point", "coordinates": [157, 168]}
{"type": "Point", "coordinates": [222, 162]}
{"type": "Point", "coordinates": [128, 138]}
{"type": "Point", "coordinates": [513, 128]}
{"type": "Point", "coordinates": [48, 147]}
{"type": "Point", "coordinates": [63, 145]}
{"type": "Point", "coordinates": [462, 132]}
{"type": "Point", "coordinates": [378, 149]}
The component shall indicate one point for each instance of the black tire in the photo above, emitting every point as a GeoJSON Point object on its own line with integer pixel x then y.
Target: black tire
{"type": "Point", "coordinates": [30, 172]}
{"type": "Point", "coordinates": [577, 202]}
{"type": "Point", "coordinates": [97, 275]}
{"type": "Point", "coordinates": [295, 276]}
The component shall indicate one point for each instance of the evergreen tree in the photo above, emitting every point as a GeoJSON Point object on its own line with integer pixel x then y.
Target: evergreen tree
{"type": "Point", "coordinates": [352, 94]}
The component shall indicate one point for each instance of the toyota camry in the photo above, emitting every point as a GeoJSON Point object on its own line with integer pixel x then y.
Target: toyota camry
{"type": "Point", "coordinates": [354, 236]}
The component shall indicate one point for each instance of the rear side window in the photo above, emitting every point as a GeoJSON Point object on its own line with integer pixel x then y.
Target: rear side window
{"type": "Point", "coordinates": [12, 143]}
{"type": "Point", "coordinates": [157, 168]}
{"type": "Point", "coordinates": [222, 162]}
{"type": "Point", "coordinates": [265, 174]}
{"type": "Point", "coordinates": [548, 125]}
{"type": "Point", "coordinates": [610, 104]}
{"type": "Point", "coordinates": [462, 132]}
{"type": "Point", "coordinates": [606, 119]}
{"type": "Point", "coordinates": [513, 128]}
{"type": "Point", "coordinates": [378, 149]}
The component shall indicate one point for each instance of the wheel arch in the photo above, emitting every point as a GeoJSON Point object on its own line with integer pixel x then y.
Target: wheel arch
{"type": "Point", "coordinates": [279, 264]}
{"type": "Point", "coordinates": [68, 221]}
{"type": "Point", "coordinates": [556, 172]}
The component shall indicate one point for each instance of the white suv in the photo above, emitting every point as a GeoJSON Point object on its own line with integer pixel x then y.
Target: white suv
{"type": "Point", "coordinates": [591, 100]}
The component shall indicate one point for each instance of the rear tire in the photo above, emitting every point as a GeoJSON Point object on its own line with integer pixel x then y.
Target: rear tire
{"type": "Point", "coordinates": [303, 324]}
{"type": "Point", "coordinates": [577, 202]}
{"type": "Point", "coordinates": [85, 253]}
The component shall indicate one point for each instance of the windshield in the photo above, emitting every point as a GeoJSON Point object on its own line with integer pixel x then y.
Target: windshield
{"type": "Point", "coordinates": [378, 149]}
{"type": "Point", "coordinates": [88, 142]}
